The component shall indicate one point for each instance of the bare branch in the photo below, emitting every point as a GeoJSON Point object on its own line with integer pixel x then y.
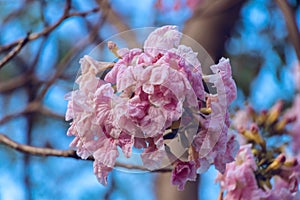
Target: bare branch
{"type": "Point", "coordinates": [84, 13]}
{"type": "Point", "coordinates": [21, 42]}
{"type": "Point", "coordinates": [32, 107]}
{"type": "Point", "coordinates": [39, 151]}
{"type": "Point", "coordinates": [15, 51]}
{"type": "Point", "coordinates": [291, 24]}
{"type": "Point", "coordinates": [13, 83]}
{"type": "Point", "coordinates": [46, 31]}
{"type": "Point", "coordinates": [36, 150]}
{"type": "Point", "coordinates": [46, 111]}
{"type": "Point", "coordinates": [11, 116]}
{"type": "Point", "coordinates": [64, 62]}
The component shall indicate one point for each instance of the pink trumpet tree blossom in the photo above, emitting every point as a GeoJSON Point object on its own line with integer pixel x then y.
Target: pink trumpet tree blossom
{"type": "Point", "coordinates": [147, 94]}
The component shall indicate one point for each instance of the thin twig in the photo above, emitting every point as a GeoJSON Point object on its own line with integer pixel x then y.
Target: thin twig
{"type": "Point", "coordinates": [21, 42]}
{"type": "Point", "coordinates": [15, 82]}
{"type": "Point", "coordinates": [64, 62]}
{"type": "Point", "coordinates": [9, 117]}
{"type": "Point", "coordinates": [39, 151]}
{"type": "Point", "coordinates": [46, 111]}
{"type": "Point", "coordinates": [32, 107]}
{"type": "Point", "coordinates": [15, 51]}
{"type": "Point", "coordinates": [45, 31]}
{"type": "Point", "coordinates": [291, 24]}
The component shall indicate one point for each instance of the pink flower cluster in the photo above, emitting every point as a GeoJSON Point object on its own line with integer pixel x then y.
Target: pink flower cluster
{"type": "Point", "coordinates": [240, 182]}
{"type": "Point", "coordinates": [147, 92]}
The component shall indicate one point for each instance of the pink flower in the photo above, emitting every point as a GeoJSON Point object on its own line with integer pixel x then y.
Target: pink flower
{"type": "Point", "coordinates": [282, 191]}
{"type": "Point", "coordinates": [242, 119]}
{"type": "Point", "coordinates": [183, 172]}
{"type": "Point", "coordinates": [188, 64]}
{"type": "Point", "coordinates": [213, 142]}
{"type": "Point", "coordinates": [146, 94]}
{"type": "Point", "coordinates": [81, 108]}
{"type": "Point", "coordinates": [227, 156]}
{"type": "Point", "coordinates": [286, 184]}
{"type": "Point", "coordinates": [239, 180]}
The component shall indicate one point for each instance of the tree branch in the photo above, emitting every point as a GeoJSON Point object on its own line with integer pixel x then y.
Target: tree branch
{"type": "Point", "coordinates": [45, 31]}
{"type": "Point", "coordinates": [40, 151]}
{"type": "Point", "coordinates": [15, 82]}
{"type": "Point", "coordinates": [65, 60]}
{"type": "Point", "coordinates": [33, 36]}
{"type": "Point", "coordinates": [21, 43]}
{"type": "Point", "coordinates": [291, 24]}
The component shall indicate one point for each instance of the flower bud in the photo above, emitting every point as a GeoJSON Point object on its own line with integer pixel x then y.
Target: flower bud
{"type": "Point", "coordinates": [274, 113]}
{"type": "Point", "coordinates": [113, 48]}
{"type": "Point", "coordinates": [277, 163]}
{"type": "Point", "coordinates": [291, 163]}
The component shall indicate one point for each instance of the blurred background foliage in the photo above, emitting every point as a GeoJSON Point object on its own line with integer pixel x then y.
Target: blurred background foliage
{"type": "Point", "coordinates": [33, 84]}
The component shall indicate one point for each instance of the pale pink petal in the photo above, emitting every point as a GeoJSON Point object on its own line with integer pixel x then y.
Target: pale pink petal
{"type": "Point", "coordinates": [161, 40]}
{"type": "Point", "coordinates": [107, 153]}
{"type": "Point", "coordinates": [224, 69]}
{"type": "Point", "coordinates": [101, 171]}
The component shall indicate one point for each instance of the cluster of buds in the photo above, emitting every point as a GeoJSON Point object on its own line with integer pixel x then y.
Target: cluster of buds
{"type": "Point", "coordinates": [272, 172]}
{"type": "Point", "coordinates": [270, 122]}
{"type": "Point", "coordinates": [265, 125]}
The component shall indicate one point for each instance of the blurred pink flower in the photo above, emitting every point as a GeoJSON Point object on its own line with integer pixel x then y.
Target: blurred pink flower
{"type": "Point", "coordinates": [282, 190]}
{"type": "Point", "coordinates": [239, 180]}
{"type": "Point", "coordinates": [286, 185]}
{"type": "Point", "coordinates": [241, 119]}
{"type": "Point", "coordinates": [294, 130]}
